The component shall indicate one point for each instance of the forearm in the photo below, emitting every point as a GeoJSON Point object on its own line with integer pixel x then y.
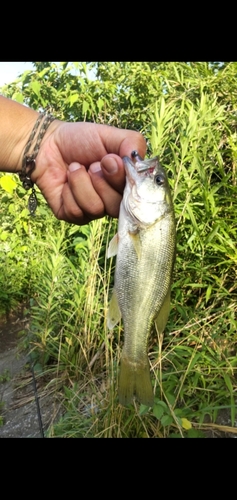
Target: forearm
{"type": "Point", "coordinates": [16, 124]}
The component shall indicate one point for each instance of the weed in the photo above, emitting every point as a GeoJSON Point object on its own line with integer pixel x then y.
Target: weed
{"type": "Point", "coordinates": [5, 376]}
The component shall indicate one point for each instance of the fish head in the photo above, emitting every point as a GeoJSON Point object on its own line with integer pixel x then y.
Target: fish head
{"type": "Point", "coordinates": [147, 195]}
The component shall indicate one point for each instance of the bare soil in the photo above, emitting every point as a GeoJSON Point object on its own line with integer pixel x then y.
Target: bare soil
{"type": "Point", "coordinates": [18, 408]}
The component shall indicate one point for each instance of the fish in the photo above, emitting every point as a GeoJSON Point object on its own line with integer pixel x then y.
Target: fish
{"type": "Point", "coordinates": [145, 253]}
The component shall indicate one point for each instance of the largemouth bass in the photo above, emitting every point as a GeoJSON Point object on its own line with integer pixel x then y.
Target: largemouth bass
{"type": "Point", "coordinates": [145, 248]}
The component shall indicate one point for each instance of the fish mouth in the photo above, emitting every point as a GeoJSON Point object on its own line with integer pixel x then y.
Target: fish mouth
{"type": "Point", "coordinates": [143, 165]}
{"type": "Point", "coordinates": [145, 168]}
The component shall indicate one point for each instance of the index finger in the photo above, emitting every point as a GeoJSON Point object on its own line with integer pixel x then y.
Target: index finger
{"type": "Point", "coordinates": [122, 142]}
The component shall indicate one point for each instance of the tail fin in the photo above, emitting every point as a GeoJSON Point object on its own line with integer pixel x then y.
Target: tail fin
{"type": "Point", "coordinates": [134, 380]}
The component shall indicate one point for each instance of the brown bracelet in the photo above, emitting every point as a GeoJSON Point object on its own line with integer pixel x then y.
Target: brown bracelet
{"type": "Point", "coordinates": [28, 163]}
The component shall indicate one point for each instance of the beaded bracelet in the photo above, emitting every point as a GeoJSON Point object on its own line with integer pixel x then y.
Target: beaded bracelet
{"type": "Point", "coordinates": [28, 163]}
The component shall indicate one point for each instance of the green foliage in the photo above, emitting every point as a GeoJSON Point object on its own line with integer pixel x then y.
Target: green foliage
{"type": "Point", "coordinates": [187, 112]}
{"type": "Point", "coordinates": [19, 235]}
{"type": "Point", "coordinates": [5, 376]}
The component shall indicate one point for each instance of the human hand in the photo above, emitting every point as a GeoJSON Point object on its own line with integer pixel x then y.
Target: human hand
{"type": "Point", "coordinates": [79, 169]}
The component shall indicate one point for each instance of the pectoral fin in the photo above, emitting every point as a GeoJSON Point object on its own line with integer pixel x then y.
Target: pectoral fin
{"type": "Point", "coordinates": [113, 247]}
{"type": "Point", "coordinates": [162, 317]}
{"type": "Point", "coordinates": [114, 314]}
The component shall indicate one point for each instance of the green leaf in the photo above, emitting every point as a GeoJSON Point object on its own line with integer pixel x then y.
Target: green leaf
{"type": "Point", "coordinates": [73, 98]}
{"type": "Point", "coordinates": [166, 420]}
{"type": "Point", "coordinates": [18, 96]}
{"type": "Point", "coordinates": [8, 183]}
{"type": "Point", "coordinates": [171, 398]}
{"type": "Point", "coordinates": [228, 382]}
{"type": "Point", "coordinates": [158, 411]}
{"type": "Point", "coordinates": [4, 235]}
{"type": "Point", "coordinates": [161, 403]}
{"type": "Point", "coordinates": [100, 103]}
{"type": "Point", "coordinates": [208, 292]}
{"type": "Point", "coordinates": [192, 217]}
{"type": "Point", "coordinates": [85, 107]}
{"type": "Point", "coordinates": [35, 86]}
{"type": "Point", "coordinates": [143, 409]}
{"type": "Point", "coordinates": [162, 107]}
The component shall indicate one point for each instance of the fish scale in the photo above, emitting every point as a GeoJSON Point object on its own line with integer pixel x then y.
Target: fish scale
{"type": "Point", "coordinates": [145, 257]}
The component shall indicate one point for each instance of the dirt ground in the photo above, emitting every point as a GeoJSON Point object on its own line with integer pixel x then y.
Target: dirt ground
{"type": "Point", "coordinates": [18, 409]}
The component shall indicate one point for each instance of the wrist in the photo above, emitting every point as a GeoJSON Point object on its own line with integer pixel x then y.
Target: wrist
{"type": "Point", "coordinates": [16, 123]}
{"type": "Point", "coordinates": [43, 159]}
{"type": "Point", "coordinates": [32, 148]}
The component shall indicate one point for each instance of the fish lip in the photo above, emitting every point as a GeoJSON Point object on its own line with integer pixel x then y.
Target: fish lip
{"type": "Point", "coordinates": [138, 163]}
{"type": "Point", "coordinates": [144, 169]}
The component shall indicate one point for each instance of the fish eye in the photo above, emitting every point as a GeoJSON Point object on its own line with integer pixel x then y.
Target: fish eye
{"type": "Point", "coordinates": [159, 180]}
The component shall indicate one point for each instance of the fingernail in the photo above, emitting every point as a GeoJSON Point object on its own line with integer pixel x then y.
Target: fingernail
{"type": "Point", "coordinates": [95, 167]}
{"type": "Point", "coordinates": [110, 165]}
{"type": "Point", "coordinates": [74, 166]}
